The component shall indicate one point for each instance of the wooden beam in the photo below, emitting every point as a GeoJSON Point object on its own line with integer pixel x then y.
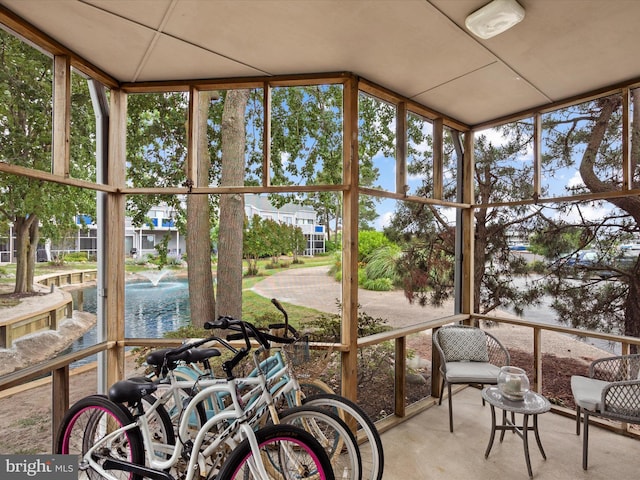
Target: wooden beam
{"type": "Point", "coordinates": [266, 139]}
{"type": "Point", "coordinates": [401, 149]}
{"type": "Point", "coordinates": [237, 83]}
{"type": "Point", "coordinates": [59, 399]}
{"type": "Point", "coordinates": [193, 137]}
{"type": "Point", "coordinates": [400, 390]}
{"type": "Point", "coordinates": [537, 360]}
{"type": "Point", "coordinates": [50, 177]}
{"type": "Point", "coordinates": [349, 331]}
{"type": "Point", "coordinates": [468, 225]}
{"type": "Point", "coordinates": [61, 114]}
{"type": "Point", "coordinates": [394, 98]}
{"type": "Point", "coordinates": [30, 33]}
{"type": "Point", "coordinates": [114, 236]}
{"type": "Point", "coordinates": [537, 156]}
{"type": "Point", "coordinates": [438, 158]}
{"type": "Point", "coordinates": [627, 171]}
{"type": "Point", "coordinates": [412, 198]}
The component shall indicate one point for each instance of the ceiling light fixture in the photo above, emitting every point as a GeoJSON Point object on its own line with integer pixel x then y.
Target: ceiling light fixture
{"type": "Point", "coordinates": [494, 18]}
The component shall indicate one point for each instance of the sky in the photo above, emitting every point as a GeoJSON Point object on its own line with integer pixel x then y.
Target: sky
{"type": "Point", "coordinates": [567, 177]}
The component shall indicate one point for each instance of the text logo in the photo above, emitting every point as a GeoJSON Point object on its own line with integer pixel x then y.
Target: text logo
{"type": "Point", "coordinates": [38, 467]}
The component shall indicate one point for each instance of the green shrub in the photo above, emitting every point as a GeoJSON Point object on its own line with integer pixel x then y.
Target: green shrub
{"type": "Point", "coordinates": [369, 241]}
{"type": "Point", "coordinates": [73, 257]}
{"type": "Point", "coordinates": [378, 284]}
{"type": "Point", "coordinates": [381, 263]}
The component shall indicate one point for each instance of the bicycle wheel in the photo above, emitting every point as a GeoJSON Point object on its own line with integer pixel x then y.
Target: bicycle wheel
{"type": "Point", "coordinates": [313, 386]}
{"type": "Point", "coordinates": [333, 434]}
{"type": "Point", "coordinates": [307, 387]}
{"type": "Point", "coordinates": [369, 441]}
{"type": "Point", "coordinates": [87, 423]}
{"type": "Point", "coordinates": [287, 453]}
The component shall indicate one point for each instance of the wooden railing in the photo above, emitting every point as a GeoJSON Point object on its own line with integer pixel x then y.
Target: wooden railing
{"type": "Point", "coordinates": [48, 317]}
{"type": "Point", "coordinates": [60, 373]}
{"type": "Point", "coordinates": [68, 278]}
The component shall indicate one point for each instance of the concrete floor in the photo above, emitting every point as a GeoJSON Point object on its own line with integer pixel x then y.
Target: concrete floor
{"type": "Point", "coordinates": [423, 448]}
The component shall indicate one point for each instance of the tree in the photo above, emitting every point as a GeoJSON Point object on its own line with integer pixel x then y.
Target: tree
{"type": "Point", "coordinates": [296, 242]}
{"type": "Point", "coordinates": [201, 294]}
{"type": "Point", "coordinates": [428, 236]}
{"type": "Point", "coordinates": [232, 205]}
{"type": "Point", "coordinates": [25, 120]}
{"type": "Point", "coordinates": [253, 243]}
{"type": "Point", "coordinates": [587, 137]}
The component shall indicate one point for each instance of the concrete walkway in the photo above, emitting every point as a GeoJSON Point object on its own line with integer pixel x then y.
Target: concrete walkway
{"type": "Point", "coordinates": [314, 288]}
{"type": "Point", "coordinates": [423, 448]}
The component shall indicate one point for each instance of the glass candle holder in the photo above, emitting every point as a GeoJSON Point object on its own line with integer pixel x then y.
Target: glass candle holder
{"type": "Point", "coordinates": [513, 382]}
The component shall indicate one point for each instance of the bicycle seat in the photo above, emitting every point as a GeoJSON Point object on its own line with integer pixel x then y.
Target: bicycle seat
{"type": "Point", "coordinates": [131, 390]}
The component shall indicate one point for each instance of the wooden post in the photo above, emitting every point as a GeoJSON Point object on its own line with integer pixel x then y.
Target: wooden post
{"type": "Point", "coordinates": [537, 360]}
{"type": "Point", "coordinates": [266, 140]}
{"type": "Point", "coordinates": [468, 229]}
{"type": "Point", "coordinates": [115, 217]}
{"type": "Point", "coordinates": [438, 165]}
{"type": "Point", "coordinates": [193, 135]}
{"type": "Point", "coordinates": [401, 148]}
{"type": "Point", "coordinates": [350, 243]}
{"type": "Point", "coordinates": [400, 376]}
{"type": "Point", "coordinates": [537, 155]}
{"type": "Point", "coordinates": [61, 114]}
{"type": "Point", "coordinates": [59, 399]}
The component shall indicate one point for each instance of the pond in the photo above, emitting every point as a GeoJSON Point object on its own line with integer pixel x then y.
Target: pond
{"type": "Point", "coordinates": [151, 309]}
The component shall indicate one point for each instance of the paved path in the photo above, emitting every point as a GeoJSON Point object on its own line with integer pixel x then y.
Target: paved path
{"type": "Point", "coordinates": [313, 287]}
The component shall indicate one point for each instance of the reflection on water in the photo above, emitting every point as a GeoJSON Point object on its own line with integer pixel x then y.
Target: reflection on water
{"type": "Point", "coordinates": [150, 311]}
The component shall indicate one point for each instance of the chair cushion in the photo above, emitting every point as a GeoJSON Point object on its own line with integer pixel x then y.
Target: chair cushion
{"type": "Point", "coordinates": [587, 392]}
{"type": "Point", "coordinates": [463, 344]}
{"type": "Point", "coordinates": [472, 372]}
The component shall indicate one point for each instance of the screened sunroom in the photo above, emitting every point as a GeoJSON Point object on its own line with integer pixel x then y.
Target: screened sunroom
{"type": "Point", "coordinates": [485, 166]}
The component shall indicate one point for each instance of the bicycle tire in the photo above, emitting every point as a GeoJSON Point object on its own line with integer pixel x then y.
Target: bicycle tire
{"type": "Point", "coordinates": [86, 423]}
{"type": "Point", "coordinates": [333, 434]}
{"type": "Point", "coordinates": [371, 449]}
{"type": "Point", "coordinates": [311, 387]}
{"type": "Point", "coordinates": [277, 442]}
{"type": "Point", "coordinates": [307, 387]}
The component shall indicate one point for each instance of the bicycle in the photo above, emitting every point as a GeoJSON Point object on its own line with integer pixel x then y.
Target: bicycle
{"type": "Point", "coordinates": [330, 430]}
{"type": "Point", "coordinates": [286, 388]}
{"type": "Point", "coordinates": [113, 443]}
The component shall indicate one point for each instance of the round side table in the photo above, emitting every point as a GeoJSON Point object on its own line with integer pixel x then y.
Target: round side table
{"type": "Point", "coordinates": [531, 405]}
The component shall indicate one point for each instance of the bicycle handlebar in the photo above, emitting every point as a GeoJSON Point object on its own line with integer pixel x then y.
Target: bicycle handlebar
{"type": "Point", "coordinates": [245, 331]}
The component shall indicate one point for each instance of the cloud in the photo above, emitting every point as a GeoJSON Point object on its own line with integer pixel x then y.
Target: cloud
{"type": "Point", "coordinates": [589, 211]}
{"type": "Point", "coordinates": [384, 220]}
{"type": "Point", "coordinates": [575, 180]}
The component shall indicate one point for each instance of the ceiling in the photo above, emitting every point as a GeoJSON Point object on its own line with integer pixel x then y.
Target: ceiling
{"type": "Point", "coordinates": [417, 48]}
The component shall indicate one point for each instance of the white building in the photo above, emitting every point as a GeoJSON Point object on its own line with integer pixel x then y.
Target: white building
{"type": "Point", "coordinates": [141, 241]}
{"type": "Point", "coordinates": [290, 214]}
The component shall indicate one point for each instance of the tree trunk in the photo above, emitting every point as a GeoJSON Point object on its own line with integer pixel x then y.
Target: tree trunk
{"type": "Point", "coordinates": [201, 293]}
{"type": "Point", "coordinates": [232, 205]}
{"type": "Point", "coordinates": [26, 229]}
{"type": "Point", "coordinates": [632, 311]}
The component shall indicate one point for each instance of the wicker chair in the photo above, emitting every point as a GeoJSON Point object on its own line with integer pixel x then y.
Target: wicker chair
{"type": "Point", "coordinates": [468, 355]}
{"type": "Point", "coordinates": [611, 391]}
